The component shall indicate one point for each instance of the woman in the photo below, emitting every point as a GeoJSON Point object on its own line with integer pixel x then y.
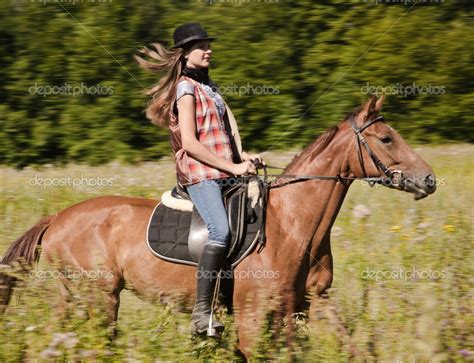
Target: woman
{"type": "Point", "coordinates": [205, 142]}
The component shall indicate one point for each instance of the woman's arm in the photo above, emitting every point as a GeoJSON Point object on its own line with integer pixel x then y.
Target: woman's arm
{"type": "Point", "coordinates": [187, 122]}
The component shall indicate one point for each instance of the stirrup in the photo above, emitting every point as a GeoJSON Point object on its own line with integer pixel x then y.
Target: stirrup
{"type": "Point", "coordinates": [211, 331]}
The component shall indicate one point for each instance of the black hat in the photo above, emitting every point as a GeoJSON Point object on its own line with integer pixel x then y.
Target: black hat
{"type": "Point", "coordinates": [187, 33]}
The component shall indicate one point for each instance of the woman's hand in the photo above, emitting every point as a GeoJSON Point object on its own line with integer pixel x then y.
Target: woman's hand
{"type": "Point", "coordinates": [247, 167]}
{"type": "Point", "coordinates": [254, 157]}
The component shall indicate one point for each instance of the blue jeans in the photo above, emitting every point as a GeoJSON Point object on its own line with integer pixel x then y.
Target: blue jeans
{"type": "Point", "coordinates": [207, 197]}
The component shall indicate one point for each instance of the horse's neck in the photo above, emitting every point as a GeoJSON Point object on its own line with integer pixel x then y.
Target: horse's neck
{"type": "Point", "coordinates": [304, 212]}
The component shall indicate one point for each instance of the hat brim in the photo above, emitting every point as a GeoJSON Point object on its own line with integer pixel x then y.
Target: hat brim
{"type": "Point", "coordinates": [190, 39]}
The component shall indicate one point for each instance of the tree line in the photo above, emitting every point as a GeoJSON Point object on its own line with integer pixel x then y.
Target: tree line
{"type": "Point", "coordinates": [72, 92]}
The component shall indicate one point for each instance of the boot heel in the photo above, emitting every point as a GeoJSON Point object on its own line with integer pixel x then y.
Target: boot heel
{"type": "Point", "coordinates": [213, 333]}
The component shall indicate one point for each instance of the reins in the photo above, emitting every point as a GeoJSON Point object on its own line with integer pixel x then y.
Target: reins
{"type": "Point", "coordinates": [273, 180]}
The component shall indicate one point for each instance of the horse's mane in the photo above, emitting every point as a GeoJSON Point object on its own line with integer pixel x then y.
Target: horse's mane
{"type": "Point", "coordinates": [318, 145]}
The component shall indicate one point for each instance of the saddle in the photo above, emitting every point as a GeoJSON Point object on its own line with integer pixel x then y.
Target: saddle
{"type": "Point", "coordinates": [177, 233]}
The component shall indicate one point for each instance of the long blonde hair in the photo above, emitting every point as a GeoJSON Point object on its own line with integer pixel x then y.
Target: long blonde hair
{"type": "Point", "coordinates": [163, 94]}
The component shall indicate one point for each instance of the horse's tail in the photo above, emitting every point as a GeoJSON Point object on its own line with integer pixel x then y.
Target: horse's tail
{"type": "Point", "coordinates": [24, 250]}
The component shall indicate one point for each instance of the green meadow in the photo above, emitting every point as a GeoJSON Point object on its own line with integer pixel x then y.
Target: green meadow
{"type": "Point", "coordinates": [403, 283]}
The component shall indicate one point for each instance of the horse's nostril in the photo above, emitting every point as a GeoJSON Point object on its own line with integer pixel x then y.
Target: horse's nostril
{"type": "Point", "coordinates": [430, 182]}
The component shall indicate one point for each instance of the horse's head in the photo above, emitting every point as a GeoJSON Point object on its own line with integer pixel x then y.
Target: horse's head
{"type": "Point", "coordinates": [379, 151]}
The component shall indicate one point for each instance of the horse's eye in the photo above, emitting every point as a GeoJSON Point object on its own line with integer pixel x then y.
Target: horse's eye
{"type": "Point", "coordinates": [386, 139]}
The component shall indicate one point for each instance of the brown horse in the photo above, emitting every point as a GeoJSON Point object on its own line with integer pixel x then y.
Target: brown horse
{"type": "Point", "coordinates": [109, 232]}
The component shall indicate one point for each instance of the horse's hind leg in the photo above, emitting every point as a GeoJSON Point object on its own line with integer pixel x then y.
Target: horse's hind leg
{"type": "Point", "coordinates": [112, 309]}
{"type": "Point", "coordinates": [109, 299]}
{"type": "Point", "coordinates": [103, 302]}
{"type": "Point", "coordinates": [65, 301]}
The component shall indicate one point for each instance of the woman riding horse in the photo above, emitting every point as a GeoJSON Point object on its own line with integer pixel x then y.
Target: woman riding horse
{"type": "Point", "coordinates": [206, 145]}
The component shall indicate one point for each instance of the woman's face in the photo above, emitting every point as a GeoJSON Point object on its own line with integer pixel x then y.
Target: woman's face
{"type": "Point", "coordinates": [199, 55]}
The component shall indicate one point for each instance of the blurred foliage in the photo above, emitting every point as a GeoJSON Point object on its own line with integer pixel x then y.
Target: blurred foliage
{"type": "Point", "coordinates": [317, 57]}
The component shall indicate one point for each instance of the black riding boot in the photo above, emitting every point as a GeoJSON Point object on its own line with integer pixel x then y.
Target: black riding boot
{"type": "Point", "coordinates": [208, 269]}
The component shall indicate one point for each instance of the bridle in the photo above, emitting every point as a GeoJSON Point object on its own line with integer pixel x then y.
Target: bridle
{"type": "Point", "coordinates": [393, 178]}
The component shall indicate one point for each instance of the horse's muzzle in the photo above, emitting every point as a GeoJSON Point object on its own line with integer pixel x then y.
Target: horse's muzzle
{"type": "Point", "coordinates": [420, 187]}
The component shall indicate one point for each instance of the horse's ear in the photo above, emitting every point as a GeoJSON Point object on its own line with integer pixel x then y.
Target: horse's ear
{"type": "Point", "coordinates": [367, 108]}
{"type": "Point", "coordinates": [378, 104]}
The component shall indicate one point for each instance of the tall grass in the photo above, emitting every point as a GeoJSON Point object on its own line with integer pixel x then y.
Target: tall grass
{"type": "Point", "coordinates": [402, 286]}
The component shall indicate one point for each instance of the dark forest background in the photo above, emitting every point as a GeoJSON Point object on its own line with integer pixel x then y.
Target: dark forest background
{"type": "Point", "coordinates": [71, 91]}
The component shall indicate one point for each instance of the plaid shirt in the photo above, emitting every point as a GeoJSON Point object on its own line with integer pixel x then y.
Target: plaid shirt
{"type": "Point", "coordinates": [210, 132]}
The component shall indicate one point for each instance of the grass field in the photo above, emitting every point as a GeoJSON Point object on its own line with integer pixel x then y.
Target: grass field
{"type": "Point", "coordinates": [403, 283]}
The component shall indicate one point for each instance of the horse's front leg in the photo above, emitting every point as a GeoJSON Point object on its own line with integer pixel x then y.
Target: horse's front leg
{"type": "Point", "coordinates": [258, 308]}
{"type": "Point", "coordinates": [318, 304]}
{"type": "Point", "coordinates": [319, 280]}
{"type": "Point", "coordinates": [321, 268]}
{"type": "Point", "coordinates": [249, 317]}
